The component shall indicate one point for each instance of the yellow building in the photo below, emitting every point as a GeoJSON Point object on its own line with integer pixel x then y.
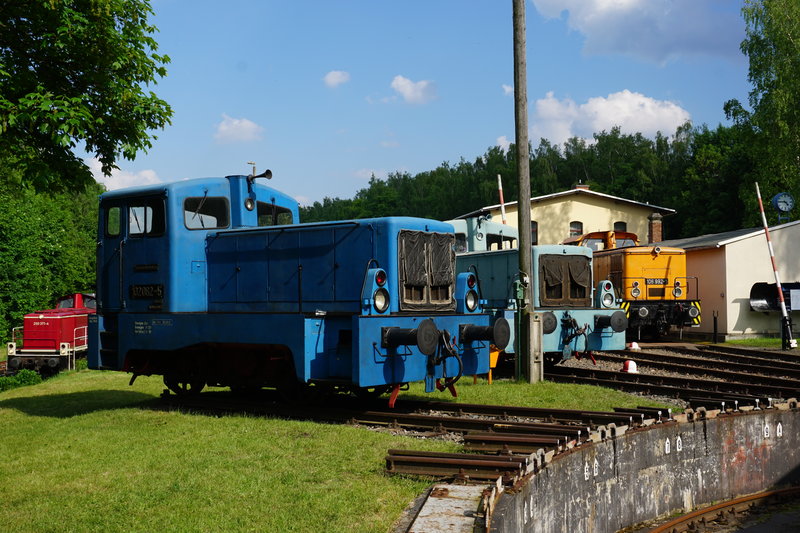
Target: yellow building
{"type": "Point", "coordinates": [555, 217]}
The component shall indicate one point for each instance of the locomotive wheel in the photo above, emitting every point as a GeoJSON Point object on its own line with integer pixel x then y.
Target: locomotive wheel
{"type": "Point", "coordinates": [370, 393]}
{"type": "Point", "coordinates": [298, 393]}
{"type": "Point", "coordinates": [183, 387]}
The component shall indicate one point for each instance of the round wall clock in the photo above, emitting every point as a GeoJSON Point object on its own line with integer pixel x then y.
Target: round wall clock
{"type": "Point", "coordinates": [783, 202]}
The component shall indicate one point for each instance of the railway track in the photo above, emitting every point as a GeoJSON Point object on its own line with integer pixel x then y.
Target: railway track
{"type": "Point", "coordinates": [708, 364]}
{"type": "Point", "coordinates": [507, 442]}
{"type": "Point", "coordinates": [722, 516]}
{"type": "Point", "coordinates": [701, 377]}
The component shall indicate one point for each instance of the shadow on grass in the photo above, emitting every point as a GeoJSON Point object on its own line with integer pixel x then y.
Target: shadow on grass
{"type": "Point", "coordinates": [79, 403]}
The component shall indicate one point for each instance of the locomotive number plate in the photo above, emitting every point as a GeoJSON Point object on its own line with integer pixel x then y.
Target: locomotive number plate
{"type": "Point", "coordinates": [147, 291]}
{"type": "Point", "coordinates": [655, 281]}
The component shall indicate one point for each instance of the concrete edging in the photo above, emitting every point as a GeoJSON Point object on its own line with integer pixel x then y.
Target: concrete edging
{"type": "Point", "coordinates": [644, 474]}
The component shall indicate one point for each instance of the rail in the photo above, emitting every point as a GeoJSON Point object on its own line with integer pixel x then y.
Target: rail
{"type": "Point", "coordinates": [717, 513]}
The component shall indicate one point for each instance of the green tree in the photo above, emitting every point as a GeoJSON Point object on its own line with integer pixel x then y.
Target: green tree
{"type": "Point", "coordinates": [47, 248]}
{"type": "Point", "coordinates": [772, 45]}
{"type": "Point", "coordinates": [74, 75]}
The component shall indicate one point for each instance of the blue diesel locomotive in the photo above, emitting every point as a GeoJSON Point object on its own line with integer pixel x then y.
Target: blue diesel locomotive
{"type": "Point", "coordinates": [214, 282]}
{"type": "Point", "coordinates": [576, 316]}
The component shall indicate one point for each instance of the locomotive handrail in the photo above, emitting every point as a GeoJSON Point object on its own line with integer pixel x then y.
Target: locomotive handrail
{"type": "Point", "coordinates": [14, 336]}
{"type": "Point", "coordinates": [81, 333]}
{"type": "Point", "coordinates": [121, 274]}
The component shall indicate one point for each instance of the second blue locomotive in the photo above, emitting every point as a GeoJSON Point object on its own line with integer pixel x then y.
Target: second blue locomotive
{"type": "Point", "coordinates": [577, 314]}
{"type": "Point", "coordinates": [213, 282]}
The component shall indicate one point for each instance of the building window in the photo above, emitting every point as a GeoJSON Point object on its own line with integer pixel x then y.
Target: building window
{"type": "Point", "coordinates": [620, 226]}
{"type": "Point", "coordinates": [575, 228]}
{"type": "Point", "coordinates": [534, 232]}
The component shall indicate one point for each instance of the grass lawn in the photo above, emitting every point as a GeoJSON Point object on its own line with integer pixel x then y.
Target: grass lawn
{"type": "Point", "coordinates": [765, 342]}
{"type": "Point", "coordinates": [85, 452]}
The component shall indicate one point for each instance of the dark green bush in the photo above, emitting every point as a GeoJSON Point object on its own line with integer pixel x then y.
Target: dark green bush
{"type": "Point", "coordinates": [20, 379]}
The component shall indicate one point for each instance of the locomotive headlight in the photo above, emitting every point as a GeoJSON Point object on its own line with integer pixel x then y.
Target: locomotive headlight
{"type": "Point", "coordinates": [693, 312]}
{"type": "Point", "coordinates": [677, 283]}
{"type": "Point", "coordinates": [471, 281]}
{"type": "Point", "coordinates": [11, 348]}
{"type": "Point", "coordinates": [635, 292]}
{"type": "Point", "coordinates": [608, 299]}
{"type": "Point", "coordinates": [677, 292]}
{"type": "Point", "coordinates": [380, 278]}
{"type": "Point", "coordinates": [380, 300]}
{"type": "Point", "coordinates": [636, 284]}
{"type": "Point", "coordinates": [471, 300]}
{"type": "Point", "coordinates": [643, 312]}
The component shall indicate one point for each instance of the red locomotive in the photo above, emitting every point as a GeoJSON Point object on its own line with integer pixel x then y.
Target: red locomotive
{"type": "Point", "coordinates": [51, 339]}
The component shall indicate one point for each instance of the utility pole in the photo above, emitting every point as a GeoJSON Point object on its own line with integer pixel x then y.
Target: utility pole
{"type": "Point", "coordinates": [529, 345]}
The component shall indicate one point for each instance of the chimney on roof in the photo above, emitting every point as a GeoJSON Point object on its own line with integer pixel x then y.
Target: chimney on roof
{"type": "Point", "coordinates": [582, 186]}
{"type": "Point", "coordinates": [655, 231]}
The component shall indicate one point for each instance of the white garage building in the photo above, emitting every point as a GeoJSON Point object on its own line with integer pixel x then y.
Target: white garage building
{"type": "Point", "coordinates": [728, 265]}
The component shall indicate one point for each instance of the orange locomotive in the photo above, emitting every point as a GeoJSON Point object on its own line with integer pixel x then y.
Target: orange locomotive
{"type": "Point", "coordinates": [651, 281]}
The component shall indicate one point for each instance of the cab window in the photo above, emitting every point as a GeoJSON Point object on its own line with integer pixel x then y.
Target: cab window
{"type": "Point", "coordinates": [565, 281]}
{"type": "Point", "coordinates": [273, 215]}
{"type": "Point", "coordinates": [146, 218]}
{"type": "Point", "coordinates": [206, 212]}
{"type": "Point", "coordinates": [461, 243]}
{"type": "Point", "coordinates": [113, 221]}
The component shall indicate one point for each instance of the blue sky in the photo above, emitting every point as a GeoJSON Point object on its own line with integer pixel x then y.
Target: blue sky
{"type": "Point", "coordinates": [327, 93]}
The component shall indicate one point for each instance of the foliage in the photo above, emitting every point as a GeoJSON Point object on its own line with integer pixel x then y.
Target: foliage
{"type": "Point", "coordinates": [73, 75]}
{"type": "Point", "coordinates": [705, 175]}
{"type": "Point", "coordinates": [47, 249]}
{"type": "Point", "coordinates": [20, 379]}
{"type": "Point", "coordinates": [772, 46]}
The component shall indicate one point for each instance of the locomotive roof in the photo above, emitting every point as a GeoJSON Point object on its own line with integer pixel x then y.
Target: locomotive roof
{"type": "Point", "coordinates": [184, 185]}
{"type": "Point", "coordinates": [410, 222]}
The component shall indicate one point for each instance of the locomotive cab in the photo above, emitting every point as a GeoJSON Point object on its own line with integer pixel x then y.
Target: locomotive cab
{"type": "Point", "coordinates": [151, 246]}
{"type": "Point", "coordinates": [151, 251]}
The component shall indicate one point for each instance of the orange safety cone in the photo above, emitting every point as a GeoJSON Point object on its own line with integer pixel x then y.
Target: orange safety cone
{"type": "Point", "coordinates": [630, 367]}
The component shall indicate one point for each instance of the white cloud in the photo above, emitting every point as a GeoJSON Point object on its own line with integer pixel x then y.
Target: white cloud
{"type": "Point", "coordinates": [654, 30]}
{"type": "Point", "coordinates": [420, 92]}
{"type": "Point", "coordinates": [232, 130]}
{"type": "Point", "coordinates": [558, 120]}
{"type": "Point", "coordinates": [121, 179]}
{"type": "Point", "coordinates": [503, 142]}
{"type": "Point", "coordinates": [335, 78]}
{"type": "Point", "coordinates": [508, 89]}
{"type": "Point", "coordinates": [389, 144]}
